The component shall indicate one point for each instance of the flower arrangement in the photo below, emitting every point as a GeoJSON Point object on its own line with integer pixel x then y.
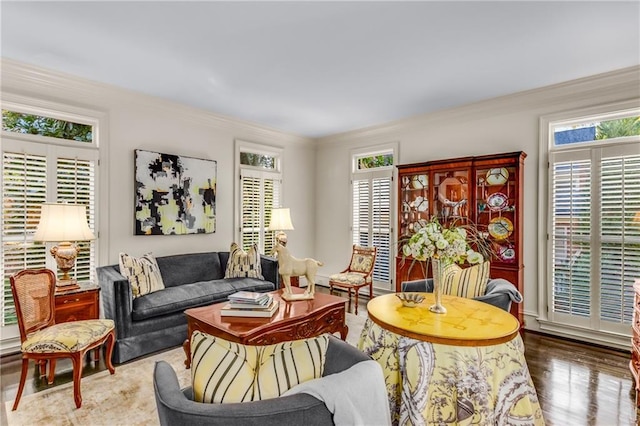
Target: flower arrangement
{"type": "Point", "coordinates": [448, 245]}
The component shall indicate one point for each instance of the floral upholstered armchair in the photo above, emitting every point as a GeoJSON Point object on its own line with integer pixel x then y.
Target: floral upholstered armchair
{"type": "Point", "coordinates": [358, 274]}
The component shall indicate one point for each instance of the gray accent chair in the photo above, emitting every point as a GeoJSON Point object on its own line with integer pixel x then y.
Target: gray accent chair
{"type": "Point", "coordinates": [176, 406]}
{"type": "Point", "coordinates": [500, 292]}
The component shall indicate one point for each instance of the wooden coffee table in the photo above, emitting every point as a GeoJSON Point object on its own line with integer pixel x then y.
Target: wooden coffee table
{"type": "Point", "coordinates": [295, 320]}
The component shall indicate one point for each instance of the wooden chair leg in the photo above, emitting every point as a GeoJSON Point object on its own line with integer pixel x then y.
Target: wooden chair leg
{"type": "Point", "coordinates": [110, 342]}
{"type": "Point", "coordinates": [76, 359]}
{"type": "Point", "coordinates": [42, 364]}
{"type": "Point", "coordinates": [357, 290]}
{"type": "Point", "coordinates": [52, 371]}
{"type": "Point", "coordinates": [23, 377]}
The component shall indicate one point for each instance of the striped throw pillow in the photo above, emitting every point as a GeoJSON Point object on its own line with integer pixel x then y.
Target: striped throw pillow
{"type": "Point", "coordinates": [223, 371]}
{"type": "Point", "coordinates": [143, 273]}
{"type": "Point", "coordinates": [469, 282]}
{"type": "Point", "coordinates": [243, 264]}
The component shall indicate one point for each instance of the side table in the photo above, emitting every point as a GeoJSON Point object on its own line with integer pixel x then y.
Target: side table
{"type": "Point", "coordinates": [78, 304]}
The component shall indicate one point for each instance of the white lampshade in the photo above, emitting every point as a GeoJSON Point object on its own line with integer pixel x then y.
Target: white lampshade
{"type": "Point", "coordinates": [280, 220]}
{"type": "Point", "coordinates": [63, 222]}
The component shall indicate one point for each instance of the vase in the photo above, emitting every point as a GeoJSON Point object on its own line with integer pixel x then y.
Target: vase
{"type": "Point", "coordinates": [436, 268]}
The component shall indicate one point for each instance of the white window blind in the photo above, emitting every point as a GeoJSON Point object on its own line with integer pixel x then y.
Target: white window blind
{"type": "Point", "coordinates": [260, 192]}
{"type": "Point", "coordinates": [371, 221]}
{"type": "Point", "coordinates": [595, 235]}
{"type": "Point", "coordinates": [24, 189]}
{"type": "Point", "coordinates": [75, 182]}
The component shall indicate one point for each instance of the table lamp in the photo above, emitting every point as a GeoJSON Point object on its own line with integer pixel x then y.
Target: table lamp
{"type": "Point", "coordinates": [280, 222]}
{"type": "Point", "coordinates": [64, 223]}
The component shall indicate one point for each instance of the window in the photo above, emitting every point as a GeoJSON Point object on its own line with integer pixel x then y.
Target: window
{"type": "Point", "coordinates": [260, 192]}
{"type": "Point", "coordinates": [40, 164]}
{"type": "Point", "coordinates": [593, 249]}
{"type": "Point", "coordinates": [371, 180]}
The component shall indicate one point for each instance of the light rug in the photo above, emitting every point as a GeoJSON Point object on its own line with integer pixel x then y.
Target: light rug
{"type": "Point", "coordinates": [125, 398]}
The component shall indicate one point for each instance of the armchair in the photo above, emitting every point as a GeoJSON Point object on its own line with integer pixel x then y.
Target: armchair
{"type": "Point", "coordinates": [500, 292]}
{"type": "Point", "coordinates": [176, 406]}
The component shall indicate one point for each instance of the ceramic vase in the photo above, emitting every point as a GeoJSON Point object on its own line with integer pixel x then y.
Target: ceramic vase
{"type": "Point", "coordinates": [436, 268]}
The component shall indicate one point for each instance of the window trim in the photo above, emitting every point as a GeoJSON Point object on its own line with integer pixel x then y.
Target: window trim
{"type": "Point", "coordinates": [10, 340]}
{"type": "Point", "coordinates": [546, 146]}
{"type": "Point", "coordinates": [378, 172]}
{"type": "Point", "coordinates": [245, 146]}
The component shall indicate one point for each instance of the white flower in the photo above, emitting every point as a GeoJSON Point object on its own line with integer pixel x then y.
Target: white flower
{"type": "Point", "coordinates": [473, 257]}
{"type": "Point", "coordinates": [449, 245]}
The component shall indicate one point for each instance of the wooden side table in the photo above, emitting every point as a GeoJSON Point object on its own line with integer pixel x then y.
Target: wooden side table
{"type": "Point", "coordinates": [78, 304]}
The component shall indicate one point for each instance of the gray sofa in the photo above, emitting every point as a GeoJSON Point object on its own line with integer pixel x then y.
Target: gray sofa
{"type": "Point", "coordinates": [500, 292]}
{"type": "Point", "coordinates": [156, 321]}
{"type": "Point", "coordinates": [176, 406]}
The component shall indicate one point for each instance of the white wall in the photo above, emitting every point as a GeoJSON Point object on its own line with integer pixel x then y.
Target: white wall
{"type": "Point", "coordinates": [503, 124]}
{"type": "Point", "coordinates": [138, 121]}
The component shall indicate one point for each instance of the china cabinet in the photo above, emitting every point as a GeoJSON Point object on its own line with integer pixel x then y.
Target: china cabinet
{"type": "Point", "coordinates": [485, 191]}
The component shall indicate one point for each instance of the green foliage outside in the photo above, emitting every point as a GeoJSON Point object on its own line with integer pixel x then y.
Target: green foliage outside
{"type": "Point", "coordinates": [375, 161]}
{"type": "Point", "coordinates": [629, 126]}
{"type": "Point", "coordinates": [257, 160]}
{"type": "Point", "coordinates": [45, 126]}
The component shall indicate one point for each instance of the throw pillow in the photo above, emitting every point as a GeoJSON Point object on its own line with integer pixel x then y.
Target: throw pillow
{"type": "Point", "coordinates": [143, 273]}
{"type": "Point", "coordinates": [223, 371]}
{"type": "Point", "coordinates": [469, 282]}
{"type": "Point", "coordinates": [243, 264]}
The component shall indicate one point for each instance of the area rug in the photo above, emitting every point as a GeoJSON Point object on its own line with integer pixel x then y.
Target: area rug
{"type": "Point", "coordinates": [125, 398]}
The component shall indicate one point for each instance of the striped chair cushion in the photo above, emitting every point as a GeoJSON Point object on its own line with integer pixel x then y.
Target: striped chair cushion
{"type": "Point", "coordinates": [143, 273]}
{"type": "Point", "coordinates": [67, 336]}
{"type": "Point", "coordinates": [243, 264]}
{"type": "Point", "coordinates": [223, 371]}
{"type": "Point", "coordinates": [469, 282]}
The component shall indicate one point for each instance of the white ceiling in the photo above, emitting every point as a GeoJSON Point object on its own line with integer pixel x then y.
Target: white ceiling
{"type": "Point", "coordinates": [319, 68]}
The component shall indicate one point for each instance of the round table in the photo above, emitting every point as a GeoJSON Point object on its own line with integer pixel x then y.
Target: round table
{"type": "Point", "coordinates": [466, 366]}
{"type": "Point", "coordinates": [467, 322]}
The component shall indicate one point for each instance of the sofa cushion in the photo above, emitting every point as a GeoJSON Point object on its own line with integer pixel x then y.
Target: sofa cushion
{"type": "Point", "coordinates": [468, 282]}
{"type": "Point", "coordinates": [190, 268]}
{"type": "Point", "coordinates": [179, 298]}
{"type": "Point", "coordinates": [224, 372]}
{"type": "Point", "coordinates": [244, 264]}
{"type": "Point", "coordinates": [143, 273]}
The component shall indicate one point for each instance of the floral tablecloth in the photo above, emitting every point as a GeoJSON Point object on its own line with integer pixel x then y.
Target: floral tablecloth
{"type": "Point", "coordinates": [436, 384]}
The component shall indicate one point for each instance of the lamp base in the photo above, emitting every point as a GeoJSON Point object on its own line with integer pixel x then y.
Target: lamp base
{"type": "Point", "coordinates": [63, 285]}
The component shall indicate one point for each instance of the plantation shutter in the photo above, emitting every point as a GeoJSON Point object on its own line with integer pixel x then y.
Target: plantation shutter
{"type": "Point", "coordinates": [75, 182]}
{"type": "Point", "coordinates": [620, 233]}
{"type": "Point", "coordinates": [260, 193]}
{"type": "Point", "coordinates": [361, 212]}
{"type": "Point", "coordinates": [381, 214]}
{"type": "Point", "coordinates": [24, 189]}
{"type": "Point", "coordinates": [595, 235]}
{"type": "Point", "coordinates": [371, 221]}
{"type": "Point", "coordinates": [571, 234]}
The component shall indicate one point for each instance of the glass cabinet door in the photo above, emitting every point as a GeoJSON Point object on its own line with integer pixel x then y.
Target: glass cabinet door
{"type": "Point", "coordinates": [496, 197]}
{"type": "Point", "coordinates": [414, 198]}
{"type": "Point", "coordinates": [451, 197]}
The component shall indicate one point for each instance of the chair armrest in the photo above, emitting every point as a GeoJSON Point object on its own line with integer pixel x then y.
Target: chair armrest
{"type": "Point", "coordinates": [424, 285]}
{"type": "Point", "coordinates": [117, 298]}
{"type": "Point", "coordinates": [502, 286]}
{"type": "Point", "coordinates": [175, 408]}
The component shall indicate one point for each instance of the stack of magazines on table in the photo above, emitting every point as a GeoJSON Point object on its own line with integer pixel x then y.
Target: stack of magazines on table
{"type": "Point", "coordinates": [250, 304]}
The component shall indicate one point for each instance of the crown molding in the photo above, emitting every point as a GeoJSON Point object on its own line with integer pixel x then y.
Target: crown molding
{"type": "Point", "coordinates": [607, 87]}
{"type": "Point", "coordinates": [33, 81]}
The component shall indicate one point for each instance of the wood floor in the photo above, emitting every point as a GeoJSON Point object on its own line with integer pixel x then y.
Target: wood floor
{"type": "Point", "coordinates": [577, 383]}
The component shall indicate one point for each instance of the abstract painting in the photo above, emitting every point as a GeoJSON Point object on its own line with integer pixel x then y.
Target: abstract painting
{"type": "Point", "coordinates": [175, 195]}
